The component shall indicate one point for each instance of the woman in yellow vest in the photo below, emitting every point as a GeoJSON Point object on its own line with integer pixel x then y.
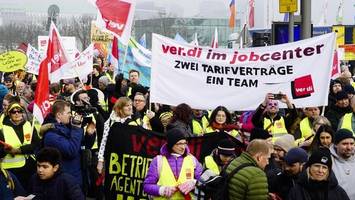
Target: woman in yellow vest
{"type": "Point", "coordinates": [22, 142]}
{"type": "Point", "coordinates": [221, 120]}
{"type": "Point", "coordinates": [173, 173]}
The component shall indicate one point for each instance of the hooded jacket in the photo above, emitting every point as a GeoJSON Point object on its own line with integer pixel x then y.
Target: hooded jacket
{"type": "Point", "coordinates": [150, 183]}
{"type": "Point", "coordinates": [344, 171]}
{"type": "Point", "coordinates": [307, 189]}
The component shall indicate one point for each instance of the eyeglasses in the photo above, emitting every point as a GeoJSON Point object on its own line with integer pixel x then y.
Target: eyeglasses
{"type": "Point", "coordinates": [272, 104]}
{"type": "Point", "coordinates": [139, 100]}
{"type": "Point", "coordinates": [16, 111]}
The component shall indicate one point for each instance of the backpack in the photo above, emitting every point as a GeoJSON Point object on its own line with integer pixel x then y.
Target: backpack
{"type": "Point", "coordinates": [216, 187]}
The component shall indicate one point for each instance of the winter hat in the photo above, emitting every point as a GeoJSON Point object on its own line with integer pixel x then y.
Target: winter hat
{"type": "Point", "coordinates": [349, 89]}
{"type": "Point", "coordinates": [226, 147]}
{"type": "Point", "coordinates": [285, 142]}
{"type": "Point", "coordinates": [173, 136]}
{"type": "Point", "coordinates": [296, 155]}
{"type": "Point", "coordinates": [341, 95]}
{"type": "Point", "coordinates": [342, 134]}
{"type": "Point", "coordinates": [321, 156]}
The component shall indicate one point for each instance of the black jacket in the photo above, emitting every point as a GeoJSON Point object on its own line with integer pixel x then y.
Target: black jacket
{"type": "Point", "coordinates": [280, 183]}
{"type": "Point", "coordinates": [60, 187]}
{"type": "Point", "coordinates": [307, 189]}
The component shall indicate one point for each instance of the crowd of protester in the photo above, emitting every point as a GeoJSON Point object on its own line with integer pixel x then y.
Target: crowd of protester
{"type": "Point", "coordinates": [291, 153]}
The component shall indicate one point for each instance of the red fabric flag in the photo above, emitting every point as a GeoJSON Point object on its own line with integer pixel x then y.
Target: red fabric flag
{"type": "Point", "coordinates": [232, 16]}
{"type": "Point", "coordinates": [116, 17]}
{"type": "Point", "coordinates": [41, 103]}
{"type": "Point", "coordinates": [251, 13]}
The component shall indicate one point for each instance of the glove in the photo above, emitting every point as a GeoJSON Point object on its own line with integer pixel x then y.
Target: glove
{"type": "Point", "coordinates": [167, 191]}
{"type": "Point", "coordinates": [186, 187]}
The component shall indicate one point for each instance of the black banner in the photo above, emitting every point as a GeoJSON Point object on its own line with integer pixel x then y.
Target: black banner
{"type": "Point", "coordinates": [129, 151]}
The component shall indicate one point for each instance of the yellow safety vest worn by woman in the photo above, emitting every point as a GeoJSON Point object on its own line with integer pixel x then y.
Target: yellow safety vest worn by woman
{"type": "Point", "coordinates": [12, 139]}
{"type": "Point", "coordinates": [167, 177]}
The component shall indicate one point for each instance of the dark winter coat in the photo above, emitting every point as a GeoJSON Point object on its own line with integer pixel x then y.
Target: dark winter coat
{"type": "Point", "coordinates": [61, 186]}
{"type": "Point", "coordinates": [307, 189]}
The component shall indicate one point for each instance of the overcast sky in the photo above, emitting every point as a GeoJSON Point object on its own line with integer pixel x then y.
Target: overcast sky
{"type": "Point", "coordinates": [194, 8]}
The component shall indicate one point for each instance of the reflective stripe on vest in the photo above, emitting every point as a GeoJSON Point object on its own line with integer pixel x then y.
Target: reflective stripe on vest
{"type": "Point", "coordinates": [347, 123]}
{"type": "Point", "coordinates": [199, 128]}
{"type": "Point", "coordinates": [167, 178]}
{"type": "Point", "coordinates": [305, 127]}
{"type": "Point", "coordinates": [11, 138]}
{"type": "Point", "coordinates": [211, 164]}
{"type": "Point", "coordinates": [277, 129]}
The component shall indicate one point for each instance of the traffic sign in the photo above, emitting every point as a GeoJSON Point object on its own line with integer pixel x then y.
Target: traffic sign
{"type": "Point", "coordinates": [287, 6]}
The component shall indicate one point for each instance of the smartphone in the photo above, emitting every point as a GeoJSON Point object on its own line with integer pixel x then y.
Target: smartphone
{"type": "Point", "coordinates": [278, 96]}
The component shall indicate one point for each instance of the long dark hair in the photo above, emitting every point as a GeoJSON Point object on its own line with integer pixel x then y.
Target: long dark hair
{"type": "Point", "coordinates": [316, 144]}
{"type": "Point", "coordinates": [183, 113]}
{"type": "Point", "coordinates": [214, 114]}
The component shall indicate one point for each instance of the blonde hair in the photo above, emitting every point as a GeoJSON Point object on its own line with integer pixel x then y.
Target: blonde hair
{"type": "Point", "coordinates": [258, 146]}
{"type": "Point", "coordinates": [120, 103]}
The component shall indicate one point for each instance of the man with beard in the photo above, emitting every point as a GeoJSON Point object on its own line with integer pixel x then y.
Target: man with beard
{"type": "Point", "coordinates": [281, 183]}
{"type": "Point", "coordinates": [344, 160]}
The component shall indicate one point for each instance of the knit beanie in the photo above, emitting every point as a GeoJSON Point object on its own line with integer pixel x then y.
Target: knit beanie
{"type": "Point", "coordinates": [285, 142]}
{"type": "Point", "coordinates": [226, 147]}
{"type": "Point", "coordinates": [321, 156]}
{"type": "Point", "coordinates": [342, 134]}
{"type": "Point", "coordinates": [341, 95]}
{"type": "Point", "coordinates": [296, 155]}
{"type": "Point", "coordinates": [173, 136]}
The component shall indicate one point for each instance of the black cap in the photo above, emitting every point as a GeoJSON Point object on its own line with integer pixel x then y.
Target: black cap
{"type": "Point", "coordinates": [173, 136]}
{"type": "Point", "coordinates": [321, 156]}
{"type": "Point", "coordinates": [341, 95]}
{"type": "Point", "coordinates": [349, 89]}
{"type": "Point", "coordinates": [342, 134]}
{"type": "Point", "coordinates": [226, 147]}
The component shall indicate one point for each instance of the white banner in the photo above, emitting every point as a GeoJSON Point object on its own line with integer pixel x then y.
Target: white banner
{"type": "Point", "coordinates": [69, 44]}
{"type": "Point", "coordinates": [205, 78]}
{"type": "Point", "coordinates": [34, 59]}
{"type": "Point", "coordinates": [81, 66]}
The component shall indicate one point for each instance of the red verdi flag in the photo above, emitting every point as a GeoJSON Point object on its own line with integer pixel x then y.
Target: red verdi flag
{"type": "Point", "coordinates": [41, 104]}
{"type": "Point", "coordinates": [116, 16]}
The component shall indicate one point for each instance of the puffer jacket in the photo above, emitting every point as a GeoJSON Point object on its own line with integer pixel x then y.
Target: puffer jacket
{"type": "Point", "coordinates": [344, 171]}
{"type": "Point", "coordinates": [249, 183]}
{"type": "Point", "coordinates": [307, 189]}
{"type": "Point", "coordinates": [150, 183]}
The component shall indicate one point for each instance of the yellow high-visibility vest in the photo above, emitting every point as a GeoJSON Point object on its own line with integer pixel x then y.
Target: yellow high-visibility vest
{"type": "Point", "coordinates": [199, 129]}
{"type": "Point", "coordinates": [12, 139]}
{"type": "Point", "coordinates": [211, 164]}
{"type": "Point", "coordinates": [2, 116]}
{"type": "Point", "coordinates": [305, 127]}
{"type": "Point", "coordinates": [233, 132]}
{"type": "Point", "coordinates": [167, 178]}
{"type": "Point", "coordinates": [346, 123]}
{"type": "Point", "coordinates": [276, 129]}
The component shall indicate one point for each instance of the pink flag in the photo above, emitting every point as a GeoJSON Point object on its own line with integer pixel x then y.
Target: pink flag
{"type": "Point", "coordinates": [336, 65]}
{"type": "Point", "coordinates": [116, 17]}
{"type": "Point", "coordinates": [114, 53]}
{"type": "Point", "coordinates": [251, 13]}
{"type": "Point", "coordinates": [214, 43]}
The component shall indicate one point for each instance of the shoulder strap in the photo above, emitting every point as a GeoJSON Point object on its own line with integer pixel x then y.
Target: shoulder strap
{"type": "Point", "coordinates": [234, 171]}
{"type": "Point", "coordinates": [159, 163]}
